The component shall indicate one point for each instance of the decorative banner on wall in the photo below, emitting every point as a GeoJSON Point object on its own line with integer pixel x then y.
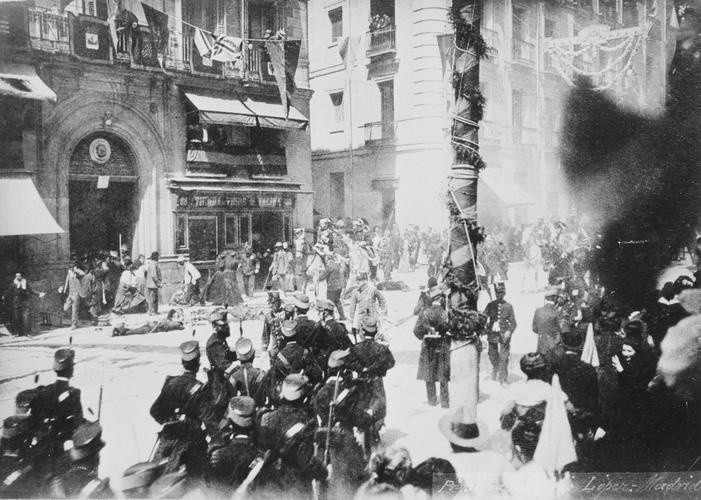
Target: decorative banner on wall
{"type": "Point", "coordinates": [91, 38]}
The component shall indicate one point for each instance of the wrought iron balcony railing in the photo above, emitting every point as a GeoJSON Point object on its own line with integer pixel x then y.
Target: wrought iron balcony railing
{"type": "Point", "coordinates": [380, 132]}
{"type": "Point", "coordinates": [381, 41]}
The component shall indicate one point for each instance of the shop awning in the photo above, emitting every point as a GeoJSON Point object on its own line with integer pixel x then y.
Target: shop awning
{"type": "Point", "coordinates": [506, 190]}
{"type": "Point", "coordinates": [21, 80]}
{"type": "Point", "coordinates": [23, 211]}
{"type": "Point", "coordinates": [245, 111]}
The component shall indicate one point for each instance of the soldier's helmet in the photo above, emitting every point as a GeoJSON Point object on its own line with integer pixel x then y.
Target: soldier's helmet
{"type": "Point", "coordinates": [87, 440]}
{"type": "Point", "coordinates": [500, 287]}
{"type": "Point", "coordinates": [242, 410]}
{"type": "Point", "coordinates": [64, 359]}
{"type": "Point", "coordinates": [324, 305]}
{"type": "Point", "coordinates": [218, 317]}
{"type": "Point", "coordinates": [337, 358]}
{"type": "Point", "coordinates": [23, 401]}
{"type": "Point", "coordinates": [294, 387]}
{"type": "Point", "coordinates": [189, 350]}
{"type": "Point", "coordinates": [244, 349]}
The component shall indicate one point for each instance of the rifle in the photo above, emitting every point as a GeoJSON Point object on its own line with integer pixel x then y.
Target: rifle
{"type": "Point", "coordinates": [240, 327]}
{"type": "Point", "coordinates": [242, 490]}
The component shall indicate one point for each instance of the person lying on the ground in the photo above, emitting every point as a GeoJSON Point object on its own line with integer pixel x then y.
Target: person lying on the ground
{"type": "Point", "coordinates": [174, 321]}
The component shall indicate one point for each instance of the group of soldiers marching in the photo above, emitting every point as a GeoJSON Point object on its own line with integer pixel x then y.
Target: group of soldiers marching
{"type": "Point", "coordinates": [305, 427]}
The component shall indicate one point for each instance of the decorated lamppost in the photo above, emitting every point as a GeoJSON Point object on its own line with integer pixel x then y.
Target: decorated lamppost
{"type": "Point", "coordinates": [466, 323]}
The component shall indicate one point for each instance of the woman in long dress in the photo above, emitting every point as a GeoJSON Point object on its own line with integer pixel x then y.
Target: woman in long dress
{"type": "Point", "coordinates": [128, 299]}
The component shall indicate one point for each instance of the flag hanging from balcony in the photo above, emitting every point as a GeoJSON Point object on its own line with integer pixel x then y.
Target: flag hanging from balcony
{"type": "Point", "coordinates": [218, 47]}
{"type": "Point", "coordinates": [112, 11]}
{"type": "Point", "coordinates": [158, 24]}
{"type": "Point", "coordinates": [284, 56]}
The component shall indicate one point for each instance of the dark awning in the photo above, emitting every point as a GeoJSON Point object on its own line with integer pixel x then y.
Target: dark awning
{"type": "Point", "coordinates": [21, 80]}
{"type": "Point", "coordinates": [245, 111]}
{"type": "Point", "coordinates": [19, 196]}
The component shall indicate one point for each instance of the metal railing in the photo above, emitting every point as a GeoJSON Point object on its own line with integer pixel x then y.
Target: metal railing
{"type": "Point", "coordinates": [381, 40]}
{"type": "Point", "coordinates": [48, 31]}
{"type": "Point", "coordinates": [258, 65]}
{"type": "Point", "coordinates": [380, 131]}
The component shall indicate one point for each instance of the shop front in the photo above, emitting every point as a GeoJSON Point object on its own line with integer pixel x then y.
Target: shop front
{"type": "Point", "coordinates": [208, 222]}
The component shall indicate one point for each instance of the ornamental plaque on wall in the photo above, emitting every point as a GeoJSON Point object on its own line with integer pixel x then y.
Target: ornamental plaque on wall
{"type": "Point", "coordinates": [100, 150]}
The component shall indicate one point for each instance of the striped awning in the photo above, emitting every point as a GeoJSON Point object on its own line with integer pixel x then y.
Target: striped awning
{"type": "Point", "coordinates": [21, 80]}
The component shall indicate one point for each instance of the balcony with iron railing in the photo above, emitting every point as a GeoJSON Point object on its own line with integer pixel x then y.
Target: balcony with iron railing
{"type": "Point", "coordinates": [382, 132]}
{"type": "Point", "coordinates": [381, 42]}
{"type": "Point", "coordinates": [50, 32]}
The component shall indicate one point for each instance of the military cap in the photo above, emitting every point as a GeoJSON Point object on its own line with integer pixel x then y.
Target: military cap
{"type": "Point", "coordinates": [13, 426]}
{"type": "Point", "coordinates": [289, 307]}
{"type": "Point", "coordinates": [369, 323]}
{"type": "Point", "coordinates": [301, 300]}
{"type": "Point", "coordinates": [293, 387]}
{"type": "Point", "coordinates": [63, 359]}
{"type": "Point", "coordinates": [500, 287]}
{"type": "Point", "coordinates": [336, 358]}
{"type": "Point", "coordinates": [189, 350]}
{"type": "Point", "coordinates": [87, 440]}
{"type": "Point", "coordinates": [23, 400]}
{"type": "Point", "coordinates": [572, 339]}
{"type": "Point", "coordinates": [181, 259]}
{"type": "Point", "coordinates": [218, 317]}
{"type": "Point", "coordinates": [324, 305]}
{"type": "Point", "coordinates": [141, 475]}
{"type": "Point", "coordinates": [242, 410]}
{"type": "Point", "coordinates": [289, 328]}
{"type": "Point", "coordinates": [532, 362]}
{"type": "Point", "coordinates": [244, 349]}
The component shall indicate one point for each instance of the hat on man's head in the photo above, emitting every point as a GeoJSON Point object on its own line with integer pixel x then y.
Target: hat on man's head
{"type": "Point", "coordinates": [218, 317]}
{"type": "Point", "coordinates": [293, 387]}
{"type": "Point", "coordinates": [154, 255]}
{"type": "Point", "coordinates": [242, 410]}
{"type": "Point", "coordinates": [23, 401]}
{"type": "Point", "coordinates": [278, 244]}
{"type": "Point", "coordinates": [189, 350]}
{"type": "Point", "coordinates": [474, 435]}
{"type": "Point", "coordinates": [284, 244]}
{"type": "Point", "coordinates": [64, 359]}
{"type": "Point", "coordinates": [181, 259]}
{"type": "Point", "coordinates": [337, 358]}
{"type": "Point", "coordinates": [500, 287]}
{"type": "Point", "coordinates": [369, 323]}
{"type": "Point", "coordinates": [572, 339]}
{"type": "Point", "coordinates": [299, 230]}
{"type": "Point", "coordinates": [324, 305]}
{"type": "Point", "coordinates": [682, 283]}
{"type": "Point", "coordinates": [141, 475]}
{"type": "Point", "coordinates": [289, 328]}
{"type": "Point", "coordinates": [87, 440]}
{"type": "Point", "coordinates": [244, 349]}
{"type": "Point", "coordinates": [14, 426]}
{"type": "Point", "coordinates": [300, 300]}
{"type": "Point", "coordinates": [289, 307]}
{"type": "Point", "coordinates": [532, 362]}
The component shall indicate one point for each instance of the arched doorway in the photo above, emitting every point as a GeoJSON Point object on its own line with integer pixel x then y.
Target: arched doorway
{"type": "Point", "coordinates": [103, 194]}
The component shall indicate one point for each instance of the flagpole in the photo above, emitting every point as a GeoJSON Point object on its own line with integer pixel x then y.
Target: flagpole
{"type": "Point", "coordinates": [350, 111]}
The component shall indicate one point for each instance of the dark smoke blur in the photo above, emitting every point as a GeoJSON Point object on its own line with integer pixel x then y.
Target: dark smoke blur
{"type": "Point", "coordinates": [639, 177]}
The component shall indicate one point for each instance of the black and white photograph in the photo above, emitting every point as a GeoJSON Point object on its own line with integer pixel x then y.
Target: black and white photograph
{"type": "Point", "coordinates": [350, 249]}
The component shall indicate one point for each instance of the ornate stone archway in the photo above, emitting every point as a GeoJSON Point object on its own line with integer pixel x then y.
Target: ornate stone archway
{"type": "Point", "coordinates": [83, 114]}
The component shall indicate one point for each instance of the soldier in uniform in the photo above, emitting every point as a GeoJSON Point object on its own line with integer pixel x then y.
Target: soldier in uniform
{"type": "Point", "coordinates": [288, 432]}
{"type": "Point", "coordinates": [501, 325]}
{"type": "Point", "coordinates": [221, 357]}
{"type": "Point", "coordinates": [234, 448]}
{"type": "Point", "coordinates": [293, 358]}
{"type": "Point", "coordinates": [305, 326]}
{"type": "Point", "coordinates": [336, 332]}
{"type": "Point", "coordinates": [56, 410]}
{"type": "Point", "coordinates": [246, 379]}
{"type": "Point", "coordinates": [371, 360]}
{"type": "Point", "coordinates": [434, 361]}
{"type": "Point", "coordinates": [77, 473]}
{"type": "Point", "coordinates": [546, 324]}
{"type": "Point", "coordinates": [181, 440]}
{"type": "Point", "coordinates": [272, 321]}
{"type": "Point", "coordinates": [335, 399]}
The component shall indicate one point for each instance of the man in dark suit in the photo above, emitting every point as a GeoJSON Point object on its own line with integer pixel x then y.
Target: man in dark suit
{"type": "Point", "coordinates": [333, 275]}
{"type": "Point", "coordinates": [153, 283]}
{"type": "Point", "coordinates": [501, 326]}
{"type": "Point", "coordinates": [546, 324]}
